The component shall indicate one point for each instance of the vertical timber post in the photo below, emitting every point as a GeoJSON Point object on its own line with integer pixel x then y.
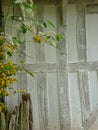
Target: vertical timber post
{"type": "Point", "coordinates": [81, 32]}
{"type": "Point", "coordinates": [41, 79]}
{"type": "Point", "coordinates": [62, 56]}
{"type": "Point", "coordinates": [82, 56]}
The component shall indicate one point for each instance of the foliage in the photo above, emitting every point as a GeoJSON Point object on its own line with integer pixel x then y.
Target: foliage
{"type": "Point", "coordinates": [9, 44]}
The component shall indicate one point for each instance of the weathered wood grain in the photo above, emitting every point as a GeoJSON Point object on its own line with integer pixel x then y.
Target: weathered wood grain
{"type": "Point", "coordinates": [43, 102]}
{"type": "Point", "coordinates": [46, 2]}
{"type": "Point", "coordinates": [84, 1]}
{"type": "Point", "coordinates": [22, 76]}
{"type": "Point", "coordinates": [2, 122]}
{"type": "Point", "coordinates": [62, 74]}
{"type": "Point", "coordinates": [12, 122]}
{"type": "Point", "coordinates": [20, 118]}
{"type": "Point", "coordinates": [22, 58]}
{"type": "Point", "coordinates": [83, 65]}
{"type": "Point", "coordinates": [17, 119]}
{"type": "Point", "coordinates": [41, 79]}
{"type": "Point", "coordinates": [91, 118]}
{"type": "Point", "coordinates": [81, 32]}
{"type": "Point", "coordinates": [92, 9]}
{"type": "Point", "coordinates": [84, 93]}
{"type": "Point", "coordinates": [42, 67]}
{"type": "Point", "coordinates": [26, 115]}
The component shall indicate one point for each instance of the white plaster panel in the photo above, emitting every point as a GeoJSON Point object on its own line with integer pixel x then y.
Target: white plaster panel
{"type": "Point", "coordinates": [29, 37]}
{"type": "Point", "coordinates": [13, 99]}
{"type": "Point", "coordinates": [93, 83]}
{"type": "Point", "coordinates": [30, 52]}
{"type": "Point", "coordinates": [92, 36]}
{"type": "Point", "coordinates": [32, 89]}
{"type": "Point", "coordinates": [71, 34]}
{"type": "Point", "coordinates": [49, 14]}
{"type": "Point", "coordinates": [74, 101]}
{"type": "Point", "coordinates": [54, 123]}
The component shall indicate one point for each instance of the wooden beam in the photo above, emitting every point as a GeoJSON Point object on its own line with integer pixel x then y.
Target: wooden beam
{"type": "Point", "coordinates": [92, 9]}
{"type": "Point", "coordinates": [81, 32]}
{"type": "Point", "coordinates": [83, 1]}
{"type": "Point", "coordinates": [88, 122]}
{"type": "Point", "coordinates": [53, 67]}
{"type": "Point", "coordinates": [2, 121]}
{"type": "Point", "coordinates": [42, 67]}
{"type": "Point", "coordinates": [84, 94]}
{"type": "Point", "coordinates": [62, 78]}
{"type": "Point", "coordinates": [83, 65]}
{"type": "Point", "coordinates": [22, 75]}
{"type": "Point", "coordinates": [47, 2]}
{"type": "Point", "coordinates": [42, 80]}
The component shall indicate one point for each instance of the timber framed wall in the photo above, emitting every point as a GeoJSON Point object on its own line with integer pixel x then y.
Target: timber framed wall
{"type": "Point", "coordinates": [64, 90]}
{"type": "Point", "coordinates": [83, 63]}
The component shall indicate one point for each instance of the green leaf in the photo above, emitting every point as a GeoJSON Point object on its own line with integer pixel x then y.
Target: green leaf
{"type": "Point", "coordinates": [61, 36]}
{"type": "Point", "coordinates": [9, 54]}
{"type": "Point", "coordinates": [14, 38]}
{"type": "Point", "coordinates": [58, 37]}
{"type": "Point", "coordinates": [20, 42]}
{"type": "Point", "coordinates": [24, 29]}
{"type": "Point", "coordinates": [51, 24]}
{"type": "Point", "coordinates": [41, 24]}
{"type": "Point", "coordinates": [10, 87]}
{"type": "Point", "coordinates": [48, 37]}
{"type": "Point", "coordinates": [44, 24]}
{"type": "Point", "coordinates": [1, 29]}
{"type": "Point", "coordinates": [12, 18]}
{"type": "Point", "coordinates": [27, 6]}
{"type": "Point", "coordinates": [16, 4]}
{"type": "Point", "coordinates": [2, 15]}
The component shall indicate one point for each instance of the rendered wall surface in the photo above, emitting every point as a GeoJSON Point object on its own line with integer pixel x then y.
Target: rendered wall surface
{"type": "Point", "coordinates": [64, 89]}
